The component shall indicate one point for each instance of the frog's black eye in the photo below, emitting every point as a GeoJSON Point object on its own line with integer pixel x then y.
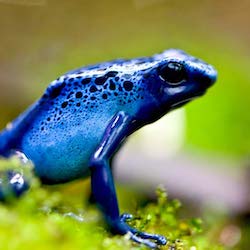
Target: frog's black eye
{"type": "Point", "coordinates": [173, 73]}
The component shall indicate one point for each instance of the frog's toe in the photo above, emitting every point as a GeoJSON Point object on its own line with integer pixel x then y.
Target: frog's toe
{"type": "Point", "coordinates": [124, 217]}
{"type": "Point", "coordinates": [145, 242]}
{"type": "Point", "coordinates": [159, 239]}
{"type": "Point", "coordinates": [150, 240]}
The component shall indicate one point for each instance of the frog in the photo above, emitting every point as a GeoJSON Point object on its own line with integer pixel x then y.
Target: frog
{"type": "Point", "coordinates": [84, 116]}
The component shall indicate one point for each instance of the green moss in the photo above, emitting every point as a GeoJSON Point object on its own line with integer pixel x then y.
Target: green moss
{"type": "Point", "coordinates": [45, 218]}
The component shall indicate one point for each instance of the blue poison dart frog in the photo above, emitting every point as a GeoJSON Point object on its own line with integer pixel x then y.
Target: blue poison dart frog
{"type": "Point", "coordinates": [84, 116]}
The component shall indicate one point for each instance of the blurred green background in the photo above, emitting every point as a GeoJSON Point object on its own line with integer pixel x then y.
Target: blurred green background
{"type": "Point", "coordinates": [42, 39]}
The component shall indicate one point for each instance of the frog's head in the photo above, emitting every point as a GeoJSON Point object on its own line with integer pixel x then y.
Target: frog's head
{"type": "Point", "coordinates": [178, 78]}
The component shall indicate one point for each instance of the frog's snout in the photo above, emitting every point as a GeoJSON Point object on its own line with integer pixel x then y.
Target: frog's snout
{"type": "Point", "coordinates": [209, 77]}
{"type": "Point", "coordinates": [205, 78]}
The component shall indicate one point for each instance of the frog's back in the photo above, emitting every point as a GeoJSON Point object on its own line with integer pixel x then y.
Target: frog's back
{"type": "Point", "coordinates": [67, 123]}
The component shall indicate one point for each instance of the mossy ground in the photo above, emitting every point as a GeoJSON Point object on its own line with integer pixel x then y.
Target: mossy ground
{"type": "Point", "coordinates": [58, 218]}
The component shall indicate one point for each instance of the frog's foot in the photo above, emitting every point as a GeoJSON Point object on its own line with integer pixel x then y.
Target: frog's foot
{"type": "Point", "coordinates": [12, 184]}
{"type": "Point", "coordinates": [150, 240]}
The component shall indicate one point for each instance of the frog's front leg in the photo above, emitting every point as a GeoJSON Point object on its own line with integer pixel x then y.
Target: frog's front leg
{"type": "Point", "coordinates": [102, 181]}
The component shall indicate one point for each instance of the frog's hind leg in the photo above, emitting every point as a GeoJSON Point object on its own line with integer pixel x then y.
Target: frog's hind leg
{"type": "Point", "coordinates": [12, 184]}
{"type": "Point", "coordinates": [13, 178]}
{"type": "Point", "coordinates": [5, 143]}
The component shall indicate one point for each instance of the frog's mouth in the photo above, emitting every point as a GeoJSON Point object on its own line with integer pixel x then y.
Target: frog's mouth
{"type": "Point", "coordinates": [185, 101]}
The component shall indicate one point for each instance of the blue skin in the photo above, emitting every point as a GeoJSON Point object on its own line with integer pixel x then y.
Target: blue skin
{"type": "Point", "coordinates": [84, 116]}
